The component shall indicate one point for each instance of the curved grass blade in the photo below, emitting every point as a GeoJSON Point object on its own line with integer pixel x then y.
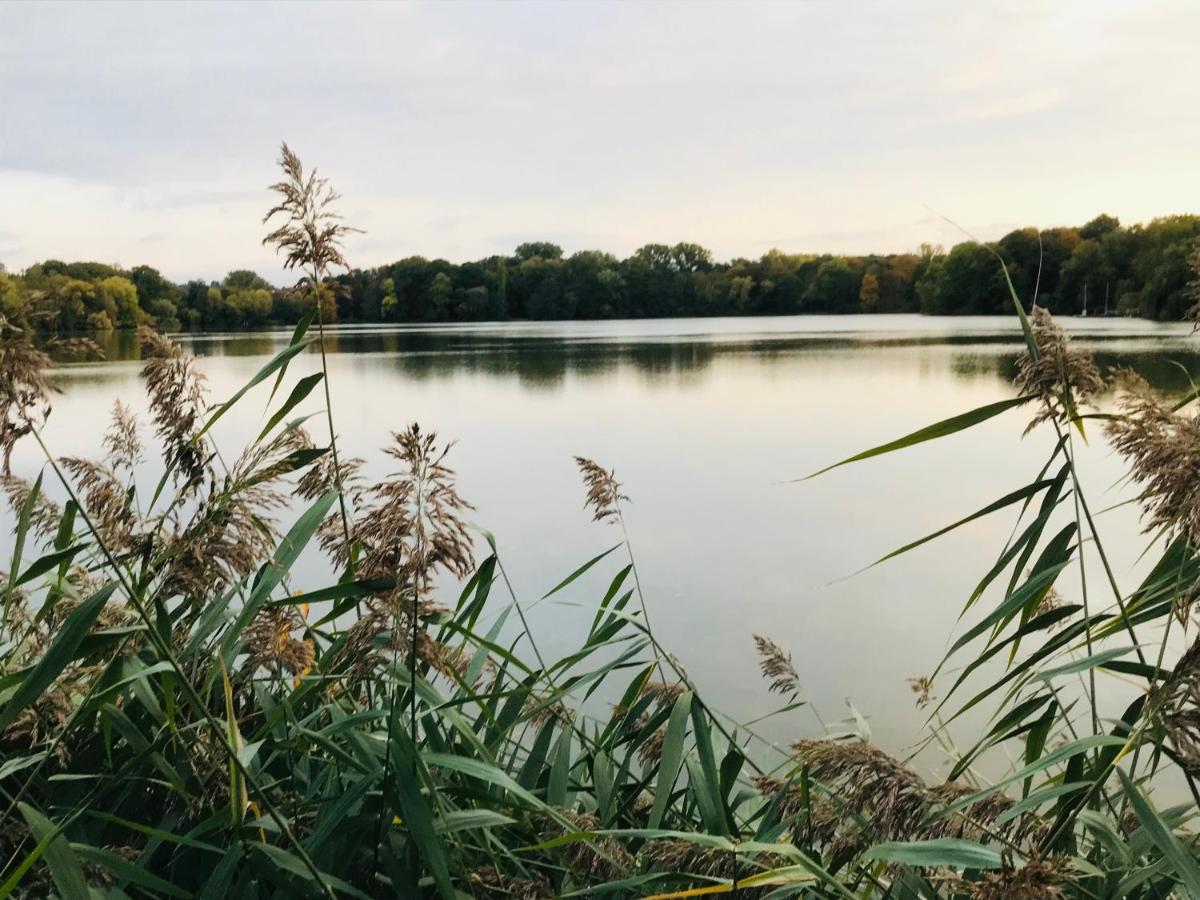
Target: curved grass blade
{"type": "Point", "coordinates": [952, 853]}
{"type": "Point", "coordinates": [65, 869]}
{"type": "Point", "coordinates": [672, 757]}
{"type": "Point", "coordinates": [941, 429]}
{"type": "Point", "coordinates": [1182, 862]}
{"type": "Point", "coordinates": [302, 389]}
{"type": "Point", "coordinates": [587, 565]}
{"type": "Point", "coordinates": [278, 361]}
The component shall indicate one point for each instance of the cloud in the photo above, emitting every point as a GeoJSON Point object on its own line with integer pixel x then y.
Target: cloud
{"type": "Point", "coordinates": [1023, 104]}
{"type": "Point", "coordinates": [451, 128]}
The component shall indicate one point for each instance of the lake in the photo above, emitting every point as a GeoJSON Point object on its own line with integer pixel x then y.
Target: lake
{"type": "Point", "coordinates": [704, 420]}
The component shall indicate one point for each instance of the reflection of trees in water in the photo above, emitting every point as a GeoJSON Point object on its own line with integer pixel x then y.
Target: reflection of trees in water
{"type": "Point", "coordinates": [1169, 370]}
{"type": "Point", "coordinates": [544, 362]}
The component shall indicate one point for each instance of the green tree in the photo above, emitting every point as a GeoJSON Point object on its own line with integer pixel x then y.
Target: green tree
{"type": "Point", "coordinates": [835, 288]}
{"type": "Point", "coordinates": [245, 279]}
{"type": "Point", "coordinates": [1098, 227]}
{"type": "Point", "coordinates": [440, 292]}
{"type": "Point", "coordinates": [118, 298]}
{"type": "Point", "coordinates": [538, 250]}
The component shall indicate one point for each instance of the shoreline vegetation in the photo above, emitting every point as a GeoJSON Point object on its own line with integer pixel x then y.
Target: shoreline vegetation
{"type": "Point", "coordinates": [1101, 268]}
{"type": "Point", "coordinates": [178, 719]}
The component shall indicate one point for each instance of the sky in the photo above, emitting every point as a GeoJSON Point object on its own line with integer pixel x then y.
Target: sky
{"type": "Point", "coordinates": [147, 133]}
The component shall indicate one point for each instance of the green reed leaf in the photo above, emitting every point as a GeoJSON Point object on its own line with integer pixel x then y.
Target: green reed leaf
{"type": "Point", "coordinates": [941, 429]}
{"type": "Point", "coordinates": [587, 565]}
{"type": "Point", "coordinates": [302, 389]}
{"type": "Point", "coordinates": [1029, 490]}
{"type": "Point", "coordinates": [50, 561]}
{"type": "Point", "coordinates": [297, 336]}
{"type": "Point", "coordinates": [64, 865]}
{"type": "Point", "coordinates": [278, 361]}
{"type": "Point", "coordinates": [418, 816]}
{"type": "Point", "coordinates": [952, 853]}
{"type": "Point", "coordinates": [1182, 862]}
{"type": "Point", "coordinates": [671, 758]}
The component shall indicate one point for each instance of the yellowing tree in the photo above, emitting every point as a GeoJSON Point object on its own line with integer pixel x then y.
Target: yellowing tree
{"type": "Point", "coordinates": [868, 293]}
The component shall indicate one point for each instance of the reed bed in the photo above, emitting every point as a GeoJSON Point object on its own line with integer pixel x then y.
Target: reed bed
{"type": "Point", "coordinates": [177, 721]}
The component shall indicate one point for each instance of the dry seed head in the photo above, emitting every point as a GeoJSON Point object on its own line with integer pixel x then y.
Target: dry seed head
{"type": "Point", "coordinates": [777, 666]}
{"type": "Point", "coordinates": [1162, 447]}
{"type": "Point", "coordinates": [1174, 709]}
{"type": "Point", "coordinates": [411, 525]}
{"type": "Point", "coordinates": [923, 688]}
{"type": "Point", "coordinates": [1061, 378]}
{"type": "Point", "coordinates": [894, 798]}
{"type": "Point", "coordinates": [121, 442]}
{"type": "Point", "coordinates": [177, 405]}
{"type": "Point", "coordinates": [45, 514]}
{"type": "Point", "coordinates": [24, 388]}
{"type": "Point", "coordinates": [319, 479]}
{"type": "Point", "coordinates": [651, 747]}
{"type": "Point", "coordinates": [1038, 879]}
{"type": "Point", "coordinates": [312, 232]}
{"type": "Point", "coordinates": [600, 858]}
{"type": "Point", "coordinates": [1192, 290]}
{"type": "Point", "coordinates": [229, 537]}
{"type": "Point", "coordinates": [490, 884]}
{"type": "Point", "coordinates": [233, 530]}
{"type": "Point", "coordinates": [793, 800]}
{"type": "Point", "coordinates": [664, 694]}
{"type": "Point", "coordinates": [603, 490]}
{"type": "Point", "coordinates": [272, 644]}
{"type": "Point", "coordinates": [104, 499]}
{"type": "Point", "coordinates": [687, 858]}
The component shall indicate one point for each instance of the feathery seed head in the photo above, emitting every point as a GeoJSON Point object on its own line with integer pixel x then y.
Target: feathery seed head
{"type": "Point", "coordinates": [777, 666]}
{"type": "Point", "coordinates": [311, 233]}
{"type": "Point", "coordinates": [603, 490]}
{"type": "Point", "coordinates": [1062, 377]}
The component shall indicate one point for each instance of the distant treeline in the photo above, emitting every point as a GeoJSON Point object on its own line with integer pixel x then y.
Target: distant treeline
{"type": "Point", "coordinates": [1141, 270]}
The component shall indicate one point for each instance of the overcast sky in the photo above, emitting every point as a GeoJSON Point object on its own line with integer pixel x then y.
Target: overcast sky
{"type": "Point", "coordinates": [148, 132]}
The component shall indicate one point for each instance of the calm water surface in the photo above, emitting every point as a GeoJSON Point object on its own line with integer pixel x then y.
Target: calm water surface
{"type": "Point", "coordinates": [703, 420]}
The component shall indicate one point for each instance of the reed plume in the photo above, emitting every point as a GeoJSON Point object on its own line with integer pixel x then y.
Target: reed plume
{"type": "Point", "coordinates": [686, 858]}
{"type": "Point", "coordinates": [44, 514]}
{"type": "Point", "coordinates": [776, 665]}
{"type": "Point", "coordinates": [105, 500]}
{"type": "Point", "coordinates": [410, 528]}
{"type": "Point", "coordinates": [895, 799]}
{"type": "Point", "coordinates": [412, 523]}
{"type": "Point", "coordinates": [491, 884]}
{"type": "Point", "coordinates": [1174, 709]}
{"type": "Point", "coordinates": [311, 233]}
{"type": "Point", "coordinates": [122, 444]}
{"type": "Point", "coordinates": [177, 405]}
{"type": "Point", "coordinates": [232, 531]}
{"type": "Point", "coordinates": [1038, 879]}
{"type": "Point", "coordinates": [603, 490]}
{"type": "Point", "coordinates": [1162, 446]}
{"type": "Point", "coordinates": [1061, 377]}
{"type": "Point", "coordinates": [271, 642]}
{"type": "Point", "coordinates": [329, 473]}
{"type": "Point", "coordinates": [923, 688]}
{"type": "Point", "coordinates": [599, 858]}
{"type": "Point", "coordinates": [24, 388]}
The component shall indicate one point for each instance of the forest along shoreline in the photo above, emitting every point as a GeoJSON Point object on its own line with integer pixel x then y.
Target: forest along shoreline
{"type": "Point", "coordinates": [1102, 268]}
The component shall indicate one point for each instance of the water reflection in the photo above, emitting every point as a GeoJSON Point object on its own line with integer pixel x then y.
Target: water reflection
{"type": "Point", "coordinates": [546, 355]}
